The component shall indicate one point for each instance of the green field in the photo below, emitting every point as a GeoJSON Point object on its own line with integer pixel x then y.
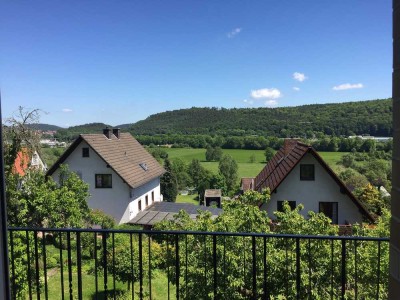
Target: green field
{"type": "Point", "coordinates": [242, 157]}
{"type": "Point", "coordinates": [193, 199]}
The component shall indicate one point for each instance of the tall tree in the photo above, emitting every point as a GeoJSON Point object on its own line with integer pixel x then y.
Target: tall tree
{"type": "Point", "coordinates": [168, 183]}
{"type": "Point", "coordinates": [229, 169]}
{"type": "Point", "coordinates": [18, 134]}
{"type": "Point", "coordinates": [269, 153]}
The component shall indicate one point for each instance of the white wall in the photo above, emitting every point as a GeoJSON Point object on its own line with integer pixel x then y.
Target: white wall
{"type": "Point", "coordinates": [116, 201]}
{"type": "Point", "coordinates": [323, 189]}
{"type": "Point", "coordinates": [139, 194]}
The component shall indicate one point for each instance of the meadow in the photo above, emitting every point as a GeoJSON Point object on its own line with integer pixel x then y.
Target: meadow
{"type": "Point", "coordinates": [250, 162]}
{"type": "Point", "coordinates": [246, 168]}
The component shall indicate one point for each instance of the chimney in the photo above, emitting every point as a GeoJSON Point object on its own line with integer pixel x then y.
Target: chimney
{"type": "Point", "coordinates": [107, 132]}
{"type": "Point", "coordinates": [116, 132]}
{"type": "Point", "coordinates": [288, 145]}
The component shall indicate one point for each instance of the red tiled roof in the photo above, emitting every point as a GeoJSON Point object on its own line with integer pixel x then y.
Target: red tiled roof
{"type": "Point", "coordinates": [247, 184]}
{"type": "Point", "coordinates": [281, 164]}
{"type": "Point", "coordinates": [21, 162]}
{"type": "Point", "coordinates": [286, 159]}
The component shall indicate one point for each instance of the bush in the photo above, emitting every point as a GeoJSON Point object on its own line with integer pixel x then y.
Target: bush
{"type": "Point", "coordinates": [52, 263]}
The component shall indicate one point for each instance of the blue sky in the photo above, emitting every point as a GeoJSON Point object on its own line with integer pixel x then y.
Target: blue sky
{"type": "Point", "coordinates": [120, 61]}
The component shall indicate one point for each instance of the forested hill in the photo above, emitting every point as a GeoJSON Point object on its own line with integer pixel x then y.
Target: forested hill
{"type": "Point", "coordinates": [44, 127]}
{"type": "Point", "coordinates": [372, 117]}
{"type": "Point", "coordinates": [73, 132]}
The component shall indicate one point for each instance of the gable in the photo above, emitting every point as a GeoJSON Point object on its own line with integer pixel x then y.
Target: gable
{"type": "Point", "coordinates": [287, 159]}
{"type": "Point", "coordinates": [124, 155]}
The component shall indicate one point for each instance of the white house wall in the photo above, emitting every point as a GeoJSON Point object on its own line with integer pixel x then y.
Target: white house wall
{"type": "Point", "coordinates": [309, 193]}
{"type": "Point", "coordinates": [139, 194]}
{"type": "Point", "coordinates": [118, 201]}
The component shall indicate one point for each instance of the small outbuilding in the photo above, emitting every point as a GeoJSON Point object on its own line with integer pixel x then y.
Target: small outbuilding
{"type": "Point", "coordinates": [212, 197]}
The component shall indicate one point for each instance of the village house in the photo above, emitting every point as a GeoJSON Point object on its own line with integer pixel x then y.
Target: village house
{"type": "Point", "coordinates": [298, 174]}
{"type": "Point", "coordinates": [28, 160]}
{"type": "Point", "coordinates": [123, 177]}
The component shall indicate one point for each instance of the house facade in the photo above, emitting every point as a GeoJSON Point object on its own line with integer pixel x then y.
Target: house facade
{"type": "Point", "coordinates": [28, 160]}
{"type": "Point", "coordinates": [123, 177]}
{"type": "Point", "coordinates": [299, 175]}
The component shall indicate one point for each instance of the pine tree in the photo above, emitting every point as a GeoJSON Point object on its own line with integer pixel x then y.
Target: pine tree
{"type": "Point", "coordinates": [168, 183]}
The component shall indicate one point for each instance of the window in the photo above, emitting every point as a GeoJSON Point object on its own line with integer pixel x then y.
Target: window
{"type": "Point", "coordinates": [103, 181]}
{"type": "Point", "coordinates": [85, 152]}
{"type": "Point", "coordinates": [140, 205]}
{"type": "Point", "coordinates": [147, 200]}
{"type": "Point", "coordinates": [152, 196]}
{"type": "Point", "coordinates": [329, 209]}
{"type": "Point", "coordinates": [292, 205]}
{"type": "Point", "coordinates": [307, 172]}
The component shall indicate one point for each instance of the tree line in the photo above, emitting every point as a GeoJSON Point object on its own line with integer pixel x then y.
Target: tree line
{"type": "Point", "coordinates": [320, 143]}
{"type": "Point", "coordinates": [350, 118]}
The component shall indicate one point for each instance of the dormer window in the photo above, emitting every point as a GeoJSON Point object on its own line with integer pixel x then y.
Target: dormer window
{"type": "Point", "coordinates": [144, 166]}
{"type": "Point", "coordinates": [85, 152]}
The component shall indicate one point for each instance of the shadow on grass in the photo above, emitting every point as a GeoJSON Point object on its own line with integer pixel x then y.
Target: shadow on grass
{"type": "Point", "coordinates": [110, 294]}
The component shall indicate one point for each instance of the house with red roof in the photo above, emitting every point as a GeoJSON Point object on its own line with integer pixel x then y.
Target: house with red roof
{"type": "Point", "coordinates": [27, 160]}
{"type": "Point", "coordinates": [123, 178]}
{"type": "Point", "coordinates": [298, 174]}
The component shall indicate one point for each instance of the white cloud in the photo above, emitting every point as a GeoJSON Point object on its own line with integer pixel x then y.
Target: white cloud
{"type": "Point", "coordinates": [348, 86]}
{"type": "Point", "coordinates": [234, 32]}
{"type": "Point", "coordinates": [296, 88]}
{"type": "Point", "coordinates": [271, 103]}
{"type": "Point", "coordinates": [299, 76]}
{"type": "Point", "coordinates": [266, 94]}
{"type": "Point", "coordinates": [67, 110]}
{"type": "Point", "coordinates": [248, 101]}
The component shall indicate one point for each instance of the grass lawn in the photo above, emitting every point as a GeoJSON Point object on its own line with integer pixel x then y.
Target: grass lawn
{"type": "Point", "coordinates": [159, 286]}
{"type": "Point", "coordinates": [242, 157]}
{"type": "Point", "coordinates": [187, 199]}
{"type": "Point", "coordinates": [159, 282]}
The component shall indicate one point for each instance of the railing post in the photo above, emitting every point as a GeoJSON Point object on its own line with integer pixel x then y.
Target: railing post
{"type": "Point", "coordinates": [215, 265]}
{"type": "Point", "coordinates": [343, 272]}
{"type": "Point", "coordinates": [298, 278]}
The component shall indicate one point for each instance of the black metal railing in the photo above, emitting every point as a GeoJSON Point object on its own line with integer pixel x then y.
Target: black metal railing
{"type": "Point", "coordinates": [135, 264]}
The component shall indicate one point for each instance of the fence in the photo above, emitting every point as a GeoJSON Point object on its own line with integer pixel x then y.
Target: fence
{"type": "Point", "coordinates": [141, 264]}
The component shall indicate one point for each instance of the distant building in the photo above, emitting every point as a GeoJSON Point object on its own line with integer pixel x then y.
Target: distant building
{"type": "Point", "coordinates": [212, 197]}
{"type": "Point", "coordinates": [52, 143]}
{"type": "Point", "coordinates": [123, 177]}
{"type": "Point", "coordinates": [368, 137]}
{"type": "Point", "coordinates": [298, 174]}
{"type": "Point", "coordinates": [246, 183]}
{"type": "Point", "coordinates": [26, 160]}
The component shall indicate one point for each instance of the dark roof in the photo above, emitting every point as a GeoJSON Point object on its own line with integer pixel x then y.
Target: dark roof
{"type": "Point", "coordinates": [212, 193]}
{"type": "Point", "coordinates": [124, 155]}
{"type": "Point", "coordinates": [160, 211]}
{"type": "Point", "coordinates": [286, 159]}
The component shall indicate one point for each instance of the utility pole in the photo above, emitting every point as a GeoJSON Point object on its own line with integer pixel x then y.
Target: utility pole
{"type": "Point", "coordinates": [4, 268]}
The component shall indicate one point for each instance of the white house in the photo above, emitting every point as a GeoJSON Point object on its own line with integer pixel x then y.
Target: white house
{"type": "Point", "coordinates": [123, 177]}
{"type": "Point", "coordinates": [298, 174]}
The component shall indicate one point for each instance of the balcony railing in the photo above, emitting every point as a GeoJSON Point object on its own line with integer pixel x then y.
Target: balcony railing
{"type": "Point", "coordinates": [136, 264]}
